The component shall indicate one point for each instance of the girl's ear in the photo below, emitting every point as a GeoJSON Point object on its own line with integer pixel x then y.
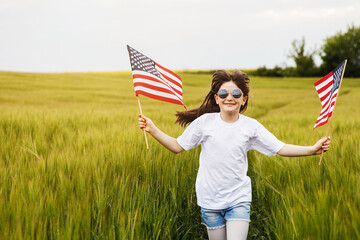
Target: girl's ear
{"type": "Point", "coordinates": [244, 100]}
{"type": "Point", "coordinates": [216, 98]}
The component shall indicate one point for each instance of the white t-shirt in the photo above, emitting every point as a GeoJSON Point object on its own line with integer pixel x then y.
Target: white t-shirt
{"type": "Point", "coordinates": [222, 179]}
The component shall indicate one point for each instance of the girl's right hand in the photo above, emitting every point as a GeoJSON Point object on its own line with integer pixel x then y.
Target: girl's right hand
{"type": "Point", "coordinates": [146, 123]}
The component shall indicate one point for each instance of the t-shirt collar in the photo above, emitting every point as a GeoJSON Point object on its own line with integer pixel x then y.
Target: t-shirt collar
{"type": "Point", "coordinates": [226, 124]}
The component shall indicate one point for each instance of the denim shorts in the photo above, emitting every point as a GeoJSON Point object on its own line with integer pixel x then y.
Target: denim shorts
{"type": "Point", "coordinates": [214, 219]}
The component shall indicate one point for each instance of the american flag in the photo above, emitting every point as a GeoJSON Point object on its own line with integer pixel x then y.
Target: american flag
{"type": "Point", "coordinates": [153, 80]}
{"type": "Point", "coordinates": [328, 89]}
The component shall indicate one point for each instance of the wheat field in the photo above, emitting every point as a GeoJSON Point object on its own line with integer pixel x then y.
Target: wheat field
{"type": "Point", "coordinates": [74, 164]}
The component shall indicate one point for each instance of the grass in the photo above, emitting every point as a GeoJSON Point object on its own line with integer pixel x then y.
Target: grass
{"type": "Point", "coordinates": [73, 163]}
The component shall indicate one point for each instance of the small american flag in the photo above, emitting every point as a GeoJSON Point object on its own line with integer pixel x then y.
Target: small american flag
{"type": "Point", "coordinates": [153, 80]}
{"type": "Point", "coordinates": [328, 89]}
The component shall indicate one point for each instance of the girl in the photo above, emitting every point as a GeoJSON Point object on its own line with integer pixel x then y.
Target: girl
{"type": "Point", "coordinates": [223, 188]}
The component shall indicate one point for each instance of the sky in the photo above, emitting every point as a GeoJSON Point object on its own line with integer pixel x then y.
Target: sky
{"type": "Point", "coordinates": [91, 35]}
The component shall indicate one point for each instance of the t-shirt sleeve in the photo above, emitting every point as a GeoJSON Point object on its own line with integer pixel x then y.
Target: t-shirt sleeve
{"type": "Point", "coordinates": [265, 142]}
{"type": "Point", "coordinates": [191, 137]}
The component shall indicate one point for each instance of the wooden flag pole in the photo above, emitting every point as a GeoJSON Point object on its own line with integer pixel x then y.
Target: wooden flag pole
{"type": "Point", "coordinates": [147, 144]}
{"type": "Point", "coordinates": [328, 130]}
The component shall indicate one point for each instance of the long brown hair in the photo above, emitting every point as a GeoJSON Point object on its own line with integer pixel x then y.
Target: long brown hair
{"type": "Point", "coordinates": [209, 105]}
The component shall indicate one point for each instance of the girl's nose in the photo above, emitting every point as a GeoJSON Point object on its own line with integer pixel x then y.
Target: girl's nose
{"type": "Point", "coordinates": [229, 97]}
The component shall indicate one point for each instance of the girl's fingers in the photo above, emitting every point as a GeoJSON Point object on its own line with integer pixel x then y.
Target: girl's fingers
{"type": "Point", "coordinates": [145, 123]}
{"type": "Point", "coordinates": [326, 144]}
{"type": "Point", "coordinates": [142, 122]}
{"type": "Point", "coordinates": [327, 141]}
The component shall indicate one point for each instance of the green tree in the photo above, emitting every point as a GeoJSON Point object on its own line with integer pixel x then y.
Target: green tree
{"type": "Point", "coordinates": [304, 60]}
{"type": "Point", "coordinates": [342, 46]}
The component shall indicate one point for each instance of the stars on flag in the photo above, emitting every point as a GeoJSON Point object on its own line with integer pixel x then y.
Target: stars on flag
{"type": "Point", "coordinates": [337, 77]}
{"type": "Point", "coordinates": [141, 62]}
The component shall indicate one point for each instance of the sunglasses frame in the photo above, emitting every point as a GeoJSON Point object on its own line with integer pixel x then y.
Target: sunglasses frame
{"type": "Point", "coordinates": [223, 96]}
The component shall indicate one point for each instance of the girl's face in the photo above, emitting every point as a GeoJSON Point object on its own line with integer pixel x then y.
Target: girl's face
{"type": "Point", "coordinates": [230, 104]}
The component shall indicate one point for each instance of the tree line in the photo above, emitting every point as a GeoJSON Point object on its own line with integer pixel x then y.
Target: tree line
{"type": "Point", "coordinates": [336, 48]}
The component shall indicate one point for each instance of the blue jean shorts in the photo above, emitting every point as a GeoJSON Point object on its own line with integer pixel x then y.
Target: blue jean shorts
{"type": "Point", "coordinates": [214, 219]}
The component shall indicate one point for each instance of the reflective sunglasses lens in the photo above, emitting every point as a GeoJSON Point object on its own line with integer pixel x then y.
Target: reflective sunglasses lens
{"type": "Point", "coordinates": [237, 93]}
{"type": "Point", "coordinates": [223, 93]}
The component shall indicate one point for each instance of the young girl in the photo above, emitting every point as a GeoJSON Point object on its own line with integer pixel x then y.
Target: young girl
{"type": "Point", "coordinates": [223, 188]}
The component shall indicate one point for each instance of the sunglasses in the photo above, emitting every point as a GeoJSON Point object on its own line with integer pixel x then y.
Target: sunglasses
{"type": "Point", "coordinates": [236, 93]}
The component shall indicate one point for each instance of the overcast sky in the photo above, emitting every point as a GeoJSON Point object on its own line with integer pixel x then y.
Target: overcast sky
{"type": "Point", "coordinates": [91, 35]}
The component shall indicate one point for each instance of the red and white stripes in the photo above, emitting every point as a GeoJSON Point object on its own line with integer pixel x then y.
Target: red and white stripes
{"type": "Point", "coordinates": [327, 97]}
{"type": "Point", "coordinates": [168, 88]}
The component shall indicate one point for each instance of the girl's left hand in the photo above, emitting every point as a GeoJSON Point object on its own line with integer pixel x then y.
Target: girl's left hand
{"type": "Point", "coordinates": [322, 144]}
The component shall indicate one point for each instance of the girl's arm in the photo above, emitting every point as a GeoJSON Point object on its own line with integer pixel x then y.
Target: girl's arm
{"type": "Point", "coordinates": [296, 151]}
{"type": "Point", "coordinates": [167, 141]}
